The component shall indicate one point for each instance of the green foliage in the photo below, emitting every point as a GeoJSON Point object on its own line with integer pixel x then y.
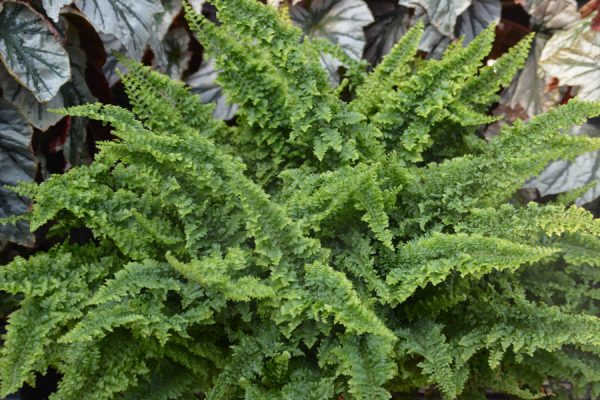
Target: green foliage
{"type": "Point", "coordinates": [317, 247]}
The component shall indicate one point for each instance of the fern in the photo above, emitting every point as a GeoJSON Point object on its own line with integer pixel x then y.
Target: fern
{"type": "Point", "coordinates": [324, 245]}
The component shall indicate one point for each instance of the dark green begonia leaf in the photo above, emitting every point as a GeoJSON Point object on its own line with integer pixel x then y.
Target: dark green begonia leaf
{"type": "Point", "coordinates": [196, 5]}
{"type": "Point", "coordinates": [341, 22]}
{"type": "Point", "coordinates": [161, 24]}
{"type": "Point", "coordinates": [31, 52]}
{"type": "Point", "coordinates": [17, 164]}
{"type": "Point", "coordinates": [433, 41]}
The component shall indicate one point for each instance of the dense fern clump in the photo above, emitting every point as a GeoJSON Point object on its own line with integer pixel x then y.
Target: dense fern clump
{"type": "Point", "coordinates": [319, 247]}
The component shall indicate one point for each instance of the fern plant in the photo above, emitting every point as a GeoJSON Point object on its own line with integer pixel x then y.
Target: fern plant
{"type": "Point", "coordinates": [355, 241]}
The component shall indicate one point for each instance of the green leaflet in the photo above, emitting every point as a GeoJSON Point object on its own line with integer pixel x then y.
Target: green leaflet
{"type": "Point", "coordinates": [439, 361]}
{"type": "Point", "coordinates": [431, 260]}
{"type": "Point", "coordinates": [351, 242]}
{"type": "Point", "coordinates": [366, 361]}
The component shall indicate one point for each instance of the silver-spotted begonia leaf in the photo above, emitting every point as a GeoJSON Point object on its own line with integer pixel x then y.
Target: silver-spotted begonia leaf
{"type": "Point", "coordinates": [177, 54]}
{"type": "Point", "coordinates": [53, 7]}
{"type": "Point", "coordinates": [36, 113]}
{"type": "Point", "coordinates": [76, 92]}
{"type": "Point", "coordinates": [442, 13]}
{"type": "Point", "coordinates": [130, 21]}
{"type": "Point", "coordinates": [573, 56]}
{"type": "Point", "coordinates": [203, 83]}
{"type": "Point", "coordinates": [551, 14]}
{"type": "Point", "coordinates": [564, 176]}
{"type": "Point", "coordinates": [17, 164]}
{"type": "Point", "coordinates": [340, 21]}
{"type": "Point", "coordinates": [528, 91]}
{"type": "Point", "coordinates": [479, 15]}
{"type": "Point", "coordinates": [31, 51]}
{"type": "Point", "coordinates": [391, 23]}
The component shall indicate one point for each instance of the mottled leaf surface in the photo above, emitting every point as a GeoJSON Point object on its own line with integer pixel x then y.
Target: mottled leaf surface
{"type": "Point", "coordinates": [551, 14]}
{"type": "Point", "coordinates": [110, 67]}
{"type": "Point", "coordinates": [341, 22]}
{"type": "Point", "coordinates": [17, 164]}
{"type": "Point", "coordinates": [76, 92]}
{"type": "Point", "coordinates": [477, 17]}
{"type": "Point", "coordinates": [36, 113]}
{"type": "Point", "coordinates": [433, 41]}
{"type": "Point", "coordinates": [53, 7]}
{"type": "Point", "coordinates": [31, 52]}
{"type": "Point", "coordinates": [130, 21]}
{"type": "Point", "coordinates": [177, 55]}
{"type": "Point", "coordinates": [564, 176]}
{"type": "Point", "coordinates": [528, 90]}
{"type": "Point", "coordinates": [164, 19]}
{"type": "Point", "coordinates": [203, 83]}
{"type": "Point", "coordinates": [442, 13]}
{"type": "Point", "coordinates": [573, 56]}
{"type": "Point", "coordinates": [389, 26]}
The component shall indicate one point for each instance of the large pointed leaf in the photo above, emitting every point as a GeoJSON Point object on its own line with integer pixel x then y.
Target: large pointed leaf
{"type": "Point", "coordinates": [528, 90]}
{"type": "Point", "coordinates": [340, 21]}
{"type": "Point", "coordinates": [573, 56]}
{"type": "Point", "coordinates": [551, 14]}
{"type": "Point", "coordinates": [17, 164]}
{"type": "Point", "coordinates": [110, 67]}
{"type": "Point", "coordinates": [30, 51]}
{"type": "Point", "coordinates": [391, 23]}
{"type": "Point", "coordinates": [177, 54]}
{"type": "Point", "coordinates": [164, 19]}
{"type": "Point", "coordinates": [433, 41]}
{"type": "Point", "coordinates": [53, 7]}
{"type": "Point", "coordinates": [76, 92]}
{"type": "Point", "coordinates": [442, 13]}
{"type": "Point", "coordinates": [477, 17]}
{"type": "Point", "coordinates": [390, 26]}
{"type": "Point", "coordinates": [564, 176]}
{"type": "Point", "coordinates": [35, 112]}
{"type": "Point", "coordinates": [203, 83]}
{"type": "Point", "coordinates": [162, 23]}
{"type": "Point", "coordinates": [128, 20]}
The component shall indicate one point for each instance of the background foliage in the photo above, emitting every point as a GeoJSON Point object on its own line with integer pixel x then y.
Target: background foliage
{"type": "Point", "coordinates": [44, 65]}
{"type": "Point", "coordinates": [58, 53]}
